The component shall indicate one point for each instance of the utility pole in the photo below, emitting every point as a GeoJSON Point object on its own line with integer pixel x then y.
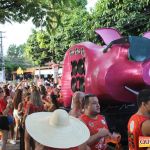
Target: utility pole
{"type": "Point", "coordinates": [2, 64]}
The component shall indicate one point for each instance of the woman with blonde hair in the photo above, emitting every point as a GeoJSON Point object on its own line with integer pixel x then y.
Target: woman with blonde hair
{"type": "Point", "coordinates": [34, 105]}
{"type": "Point", "coordinates": [16, 101]}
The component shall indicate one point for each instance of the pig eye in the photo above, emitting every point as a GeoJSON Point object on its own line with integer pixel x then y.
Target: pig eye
{"type": "Point", "coordinates": [139, 49]}
{"type": "Point", "coordinates": [74, 67]}
{"type": "Point", "coordinates": [81, 69]}
{"type": "Point", "coordinates": [74, 84]}
{"type": "Point", "coordinates": [82, 84]}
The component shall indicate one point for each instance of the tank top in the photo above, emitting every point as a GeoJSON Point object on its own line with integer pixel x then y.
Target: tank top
{"type": "Point", "coordinates": [30, 108]}
{"type": "Point", "coordinates": [94, 125]}
{"type": "Point", "coordinates": [134, 131]}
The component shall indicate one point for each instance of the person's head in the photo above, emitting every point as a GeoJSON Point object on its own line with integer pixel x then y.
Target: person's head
{"type": "Point", "coordinates": [77, 99]}
{"type": "Point", "coordinates": [10, 87]}
{"type": "Point", "coordinates": [26, 96]}
{"type": "Point", "coordinates": [1, 93]}
{"type": "Point", "coordinates": [42, 90]}
{"type": "Point", "coordinates": [91, 104]}
{"type": "Point", "coordinates": [17, 98]}
{"type": "Point", "coordinates": [56, 91]}
{"type": "Point", "coordinates": [6, 91]}
{"type": "Point", "coordinates": [32, 87]}
{"type": "Point", "coordinates": [143, 100]}
{"type": "Point", "coordinates": [36, 98]}
{"type": "Point", "coordinates": [54, 100]}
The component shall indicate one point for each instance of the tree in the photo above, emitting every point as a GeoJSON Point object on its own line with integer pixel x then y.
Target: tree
{"type": "Point", "coordinates": [38, 47]}
{"type": "Point", "coordinates": [130, 17]}
{"type": "Point", "coordinates": [73, 30]}
{"type": "Point", "coordinates": [15, 51]}
{"type": "Point", "coordinates": [126, 16]}
{"type": "Point", "coordinates": [42, 12]}
{"type": "Point", "coordinates": [46, 47]}
{"type": "Point", "coordinates": [15, 58]}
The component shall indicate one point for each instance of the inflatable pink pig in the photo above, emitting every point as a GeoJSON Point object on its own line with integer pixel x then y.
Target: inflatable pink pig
{"type": "Point", "coordinates": [111, 72]}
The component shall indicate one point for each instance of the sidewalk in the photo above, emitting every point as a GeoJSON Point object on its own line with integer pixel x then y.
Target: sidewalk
{"type": "Point", "coordinates": [12, 147]}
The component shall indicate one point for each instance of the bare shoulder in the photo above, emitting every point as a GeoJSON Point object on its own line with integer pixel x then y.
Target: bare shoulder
{"type": "Point", "coordinates": [146, 128]}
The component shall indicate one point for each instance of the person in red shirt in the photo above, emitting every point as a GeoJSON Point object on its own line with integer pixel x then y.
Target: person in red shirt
{"type": "Point", "coordinates": [96, 123]}
{"type": "Point", "coordinates": [3, 103]}
{"type": "Point", "coordinates": [34, 105]}
{"type": "Point", "coordinates": [4, 119]}
{"type": "Point", "coordinates": [139, 123]}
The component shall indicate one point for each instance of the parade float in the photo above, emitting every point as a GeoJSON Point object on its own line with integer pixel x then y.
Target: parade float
{"type": "Point", "coordinates": [114, 72]}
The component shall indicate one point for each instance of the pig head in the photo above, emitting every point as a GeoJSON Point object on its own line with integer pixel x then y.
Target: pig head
{"type": "Point", "coordinates": [107, 71]}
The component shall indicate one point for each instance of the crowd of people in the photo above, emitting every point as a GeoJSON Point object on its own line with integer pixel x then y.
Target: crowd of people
{"type": "Point", "coordinates": [34, 115]}
{"type": "Point", "coordinates": [20, 100]}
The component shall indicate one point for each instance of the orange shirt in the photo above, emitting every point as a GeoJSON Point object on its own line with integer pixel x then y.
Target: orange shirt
{"type": "Point", "coordinates": [134, 131]}
{"type": "Point", "coordinates": [94, 126]}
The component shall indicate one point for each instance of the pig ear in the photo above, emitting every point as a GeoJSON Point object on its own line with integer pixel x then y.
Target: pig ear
{"type": "Point", "coordinates": [108, 34]}
{"type": "Point", "coordinates": [147, 34]}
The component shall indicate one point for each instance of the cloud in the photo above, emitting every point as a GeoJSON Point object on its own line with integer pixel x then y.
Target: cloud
{"type": "Point", "coordinates": [15, 33]}
{"type": "Point", "coordinates": [91, 4]}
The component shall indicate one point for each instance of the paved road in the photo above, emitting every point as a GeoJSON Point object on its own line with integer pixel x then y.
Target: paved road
{"type": "Point", "coordinates": [12, 147]}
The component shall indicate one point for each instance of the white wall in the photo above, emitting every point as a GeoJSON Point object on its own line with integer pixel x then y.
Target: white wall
{"type": "Point", "coordinates": [47, 71]}
{"type": "Point", "coordinates": [2, 76]}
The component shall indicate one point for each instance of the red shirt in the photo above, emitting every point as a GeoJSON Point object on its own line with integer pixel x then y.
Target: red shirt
{"type": "Point", "coordinates": [94, 126]}
{"type": "Point", "coordinates": [3, 105]}
{"type": "Point", "coordinates": [134, 131]}
{"type": "Point", "coordinates": [30, 108]}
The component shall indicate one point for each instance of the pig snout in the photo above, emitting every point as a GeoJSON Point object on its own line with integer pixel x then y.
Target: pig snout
{"type": "Point", "coordinates": [146, 72]}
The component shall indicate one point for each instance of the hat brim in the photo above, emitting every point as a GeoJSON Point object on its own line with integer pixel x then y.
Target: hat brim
{"type": "Point", "coordinates": [72, 135]}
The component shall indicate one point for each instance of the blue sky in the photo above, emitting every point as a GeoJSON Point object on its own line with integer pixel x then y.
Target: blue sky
{"type": "Point", "coordinates": [17, 34]}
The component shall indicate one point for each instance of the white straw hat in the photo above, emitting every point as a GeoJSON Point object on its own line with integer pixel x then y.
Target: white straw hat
{"type": "Point", "coordinates": [57, 129]}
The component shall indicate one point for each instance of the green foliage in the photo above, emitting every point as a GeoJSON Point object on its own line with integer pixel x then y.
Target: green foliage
{"type": "Point", "coordinates": [15, 58]}
{"type": "Point", "coordinates": [46, 13]}
{"type": "Point", "coordinates": [73, 30]}
{"type": "Point", "coordinates": [128, 16]}
{"type": "Point", "coordinates": [38, 47]}
{"type": "Point", "coordinates": [41, 46]}
{"type": "Point", "coordinates": [45, 47]}
{"type": "Point", "coordinates": [15, 52]}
